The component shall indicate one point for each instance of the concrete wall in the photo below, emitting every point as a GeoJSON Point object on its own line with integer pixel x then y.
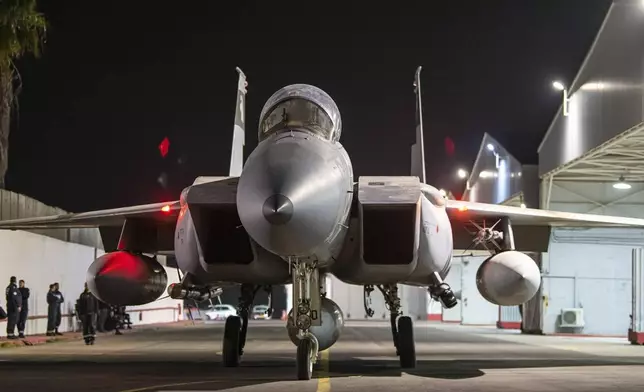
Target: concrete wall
{"type": "Point", "coordinates": [606, 98]}
{"type": "Point", "coordinates": [590, 269]}
{"type": "Point", "coordinates": [42, 260]}
{"type": "Point", "coordinates": [472, 308]}
{"type": "Point", "coordinates": [350, 298]}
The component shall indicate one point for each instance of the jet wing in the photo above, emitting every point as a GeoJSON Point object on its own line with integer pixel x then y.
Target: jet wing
{"type": "Point", "coordinates": [531, 227]}
{"type": "Point", "coordinates": [157, 212]}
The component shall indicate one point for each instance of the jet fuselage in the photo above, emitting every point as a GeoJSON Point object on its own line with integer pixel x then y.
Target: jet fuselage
{"type": "Point", "coordinates": [296, 199]}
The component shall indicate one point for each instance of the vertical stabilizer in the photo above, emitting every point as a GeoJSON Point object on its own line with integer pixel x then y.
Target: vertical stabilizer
{"type": "Point", "coordinates": [237, 152]}
{"type": "Point", "coordinates": [418, 149]}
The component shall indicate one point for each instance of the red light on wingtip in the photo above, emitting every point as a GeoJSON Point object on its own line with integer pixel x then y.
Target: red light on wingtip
{"type": "Point", "coordinates": [462, 208]}
{"type": "Point", "coordinates": [165, 208]}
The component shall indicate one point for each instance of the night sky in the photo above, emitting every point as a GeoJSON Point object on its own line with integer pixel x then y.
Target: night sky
{"type": "Point", "coordinates": [117, 77]}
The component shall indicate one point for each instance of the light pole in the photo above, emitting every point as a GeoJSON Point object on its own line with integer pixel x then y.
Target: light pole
{"type": "Point", "coordinates": [559, 86]}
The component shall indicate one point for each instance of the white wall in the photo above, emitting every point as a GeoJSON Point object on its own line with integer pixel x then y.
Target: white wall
{"type": "Point", "coordinates": [590, 269]}
{"type": "Point", "coordinates": [472, 308]}
{"type": "Point", "coordinates": [41, 260]}
{"type": "Point", "coordinates": [350, 298]}
{"type": "Point", "coordinates": [454, 279]}
{"type": "Point", "coordinates": [433, 307]}
{"type": "Point", "coordinates": [163, 310]}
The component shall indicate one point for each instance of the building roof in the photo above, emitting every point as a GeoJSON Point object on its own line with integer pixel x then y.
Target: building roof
{"type": "Point", "coordinates": [623, 155]}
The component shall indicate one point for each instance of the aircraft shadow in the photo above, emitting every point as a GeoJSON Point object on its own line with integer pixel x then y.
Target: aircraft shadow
{"type": "Point", "coordinates": [214, 376]}
{"type": "Point", "coordinates": [454, 369]}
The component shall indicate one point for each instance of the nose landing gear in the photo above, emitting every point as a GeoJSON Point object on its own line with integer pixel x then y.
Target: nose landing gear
{"type": "Point", "coordinates": [306, 314]}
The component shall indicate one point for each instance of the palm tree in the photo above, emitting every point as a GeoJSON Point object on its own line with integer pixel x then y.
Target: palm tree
{"type": "Point", "coordinates": [22, 30]}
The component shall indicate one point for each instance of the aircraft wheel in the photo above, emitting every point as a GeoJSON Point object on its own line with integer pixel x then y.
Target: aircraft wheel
{"type": "Point", "coordinates": [230, 350]}
{"type": "Point", "coordinates": [406, 344]}
{"type": "Point", "coordinates": [304, 363]}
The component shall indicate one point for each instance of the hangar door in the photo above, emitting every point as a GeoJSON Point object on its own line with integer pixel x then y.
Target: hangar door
{"type": "Point", "coordinates": [472, 308]}
{"type": "Point", "coordinates": [453, 278]}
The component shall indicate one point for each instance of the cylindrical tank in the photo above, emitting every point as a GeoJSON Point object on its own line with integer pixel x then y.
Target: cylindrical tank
{"type": "Point", "coordinates": [123, 278]}
{"type": "Point", "coordinates": [508, 278]}
{"type": "Point", "coordinates": [327, 333]}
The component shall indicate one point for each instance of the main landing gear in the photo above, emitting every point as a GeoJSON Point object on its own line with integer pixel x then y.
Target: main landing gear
{"type": "Point", "coordinates": [306, 314]}
{"type": "Point", "coordinates": [402, 327]}
{"type": "Point", "coordinates": [237, 326]}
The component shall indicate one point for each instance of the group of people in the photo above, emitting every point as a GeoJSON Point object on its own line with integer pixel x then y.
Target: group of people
{"type": "Point", "coordinates": [17, 308]}
{"type": "Point", "coordinates": [93, 314]}
{"type": "Point", "coordinates": [17, 296]}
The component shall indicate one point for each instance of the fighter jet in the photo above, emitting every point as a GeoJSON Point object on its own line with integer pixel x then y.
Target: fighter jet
{"type": "Point", "coordinates": [293, 214]}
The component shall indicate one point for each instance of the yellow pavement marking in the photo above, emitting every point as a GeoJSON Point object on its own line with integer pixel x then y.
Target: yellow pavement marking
{"type": "Point", "coordinates": [324, 382]}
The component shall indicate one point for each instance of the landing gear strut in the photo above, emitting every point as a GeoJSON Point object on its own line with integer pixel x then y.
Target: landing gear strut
{"type": "Point", "coordinates": [237, 326]}
{"type": "Point", "coordinates": [402, 327]}
{"type": "Point", "coordinates": [306, 314]}
{"type": "Point", "coordinates": [368, 289]}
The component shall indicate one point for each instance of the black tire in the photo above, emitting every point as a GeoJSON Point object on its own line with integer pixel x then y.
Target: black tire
{"type": "Point", "coordinates": [304, 364]}
{"type": "Point", "coordinates": [230, 349]}
{"type": "Point", "coordinates": [406, 344]}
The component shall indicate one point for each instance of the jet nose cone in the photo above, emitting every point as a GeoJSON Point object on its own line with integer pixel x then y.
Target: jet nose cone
{"type": "Point", "coordinates": [291, 194]}
{"type": "Point", "coordinates": [278, 209]}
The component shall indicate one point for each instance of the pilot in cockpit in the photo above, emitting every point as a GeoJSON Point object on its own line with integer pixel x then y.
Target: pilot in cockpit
{"type": "Point", "coordinates": [300, 110]}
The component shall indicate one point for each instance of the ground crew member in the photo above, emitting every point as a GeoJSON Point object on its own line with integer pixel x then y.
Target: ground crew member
{"type": "Point", "coordinates": [59, 311]}
{"type": "Point", "coordinates": [52, 306]}
{"type": "Point", "coordinates": [87, 308]}
{"type": "Point", "coordinates": [24, 313]}
{"type": "Point", "coordinates": [14, 304]}
{"type": "Point", "coordinates": [116, 317]}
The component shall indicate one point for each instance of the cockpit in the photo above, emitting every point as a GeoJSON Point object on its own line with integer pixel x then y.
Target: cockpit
{"type": "Point", "coordinates": [301, 107]}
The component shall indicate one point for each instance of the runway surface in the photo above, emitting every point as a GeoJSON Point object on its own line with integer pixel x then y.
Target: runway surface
{"type": "Point", "coordinates": [450, 358]}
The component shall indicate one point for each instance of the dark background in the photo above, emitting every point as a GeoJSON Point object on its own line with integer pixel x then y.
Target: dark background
{"type": "Point", "coordinates": [117, 77]}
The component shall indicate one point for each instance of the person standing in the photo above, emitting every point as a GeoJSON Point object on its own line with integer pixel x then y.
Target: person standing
{"type": "Point", "coordinates": [24, 313]}
{"type": "Point", "coordinates": [87, 308]}
{"type": "Point", "coordinates": [14, 304]}
{"type": "Point", "coordinates": [52, 306]}
{"type": "Point", "coordinates": [59, 311]}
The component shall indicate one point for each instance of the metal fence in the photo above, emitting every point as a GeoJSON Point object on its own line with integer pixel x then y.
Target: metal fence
{"type": "Point", "coordinates": [17, 206]}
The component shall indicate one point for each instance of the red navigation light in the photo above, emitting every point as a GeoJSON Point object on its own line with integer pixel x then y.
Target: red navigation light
{"type": "Point", "coordinates": [165, 208]}
{"type": "Point", "coordinates": [164, 147]}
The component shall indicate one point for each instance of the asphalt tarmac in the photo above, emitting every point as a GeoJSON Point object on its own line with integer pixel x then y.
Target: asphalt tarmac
{"type": "Point", "coordinates": [450, 358]}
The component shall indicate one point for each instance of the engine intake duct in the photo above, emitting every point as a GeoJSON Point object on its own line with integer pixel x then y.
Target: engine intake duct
{"type": "Point", "coordinates": [389, 210]}
{"type": "Point", "coordinates": [221, 235]}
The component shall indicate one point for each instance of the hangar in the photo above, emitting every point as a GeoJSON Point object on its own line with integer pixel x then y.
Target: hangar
{"type": "Point", "coordinates": [590, 161]}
